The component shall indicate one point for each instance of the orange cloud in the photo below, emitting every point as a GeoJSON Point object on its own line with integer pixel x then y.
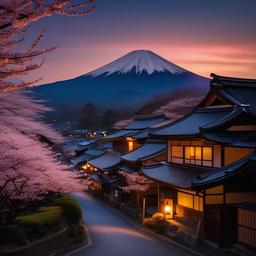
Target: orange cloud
{"type": "Point", "coordinates": [229, 60]}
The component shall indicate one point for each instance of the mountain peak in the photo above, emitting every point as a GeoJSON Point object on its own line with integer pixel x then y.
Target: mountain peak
{"type": "Point", "coordinates": [139, 61]}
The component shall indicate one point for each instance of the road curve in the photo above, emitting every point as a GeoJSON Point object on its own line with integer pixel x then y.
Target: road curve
{"type": "Point", "coordinates": [112, 235]}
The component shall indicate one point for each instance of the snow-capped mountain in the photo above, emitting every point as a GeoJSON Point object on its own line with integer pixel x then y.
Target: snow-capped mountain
{"type": "Point", "coordinates": [139, 61]}
{"type": "Point", "coordinates": [129, 82]}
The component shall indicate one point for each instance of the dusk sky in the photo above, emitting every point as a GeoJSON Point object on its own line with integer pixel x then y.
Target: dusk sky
{"type": "Point", "coordinates": [202, 36]}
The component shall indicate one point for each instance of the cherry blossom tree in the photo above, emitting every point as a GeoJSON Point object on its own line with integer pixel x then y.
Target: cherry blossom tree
{"type": "Point", "coordinates": [15, 16]}
{"type": "Point", "coordinates": [29, 168]}
{"type": "Point", "coordinates": [135, 182]}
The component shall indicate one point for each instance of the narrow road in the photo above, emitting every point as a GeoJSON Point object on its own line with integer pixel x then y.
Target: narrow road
{"type": "Point", "coordinates": [113, 235]}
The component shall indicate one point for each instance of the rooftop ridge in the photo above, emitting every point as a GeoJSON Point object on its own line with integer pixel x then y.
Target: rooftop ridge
{"type": "Point", "coordinates": [217, 80]}
{"type": "Point", "coordinates": [197, 110]}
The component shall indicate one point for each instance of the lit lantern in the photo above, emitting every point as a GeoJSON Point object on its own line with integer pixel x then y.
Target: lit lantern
{"type": "Point", "coordinates": [167, 209]}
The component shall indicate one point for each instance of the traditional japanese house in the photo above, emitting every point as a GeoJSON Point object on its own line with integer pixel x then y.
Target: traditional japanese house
{"type": "Point", "coordinates": [134, 134]}
{"type": "Point", "coordinates": [230, 202]}
{"type": "Point", "coordinates": [81, 161]}
{"type": "Point", "coordinates": [208, 180]}
{"type": "Point", "coordinates": [132, 139]}
{"type": "Point", "coordinates": [151, 152]}
{"type": "Point", "coordinates": [103, 172]}
{"type": "Point", "coordinates": [72, 149]}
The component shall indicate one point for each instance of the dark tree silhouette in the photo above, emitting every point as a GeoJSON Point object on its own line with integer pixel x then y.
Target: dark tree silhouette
{"type": "Point", "coordinates": [90, 118]}
{"type": "Point", "coordinates": [109, 118]}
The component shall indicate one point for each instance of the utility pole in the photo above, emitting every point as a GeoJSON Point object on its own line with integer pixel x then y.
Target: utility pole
{"type": "Point", "coordinates": [143, 209]}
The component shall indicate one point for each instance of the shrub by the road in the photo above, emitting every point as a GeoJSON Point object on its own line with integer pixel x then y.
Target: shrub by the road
{"type": "Point", "coordinates": [57, 213]}
{"type": "Point", "coordinates": [71, 209]}
{"type": "Point", "coordinates": [157, 223]}
{"type": "Point", "coordinates": [73, 214]}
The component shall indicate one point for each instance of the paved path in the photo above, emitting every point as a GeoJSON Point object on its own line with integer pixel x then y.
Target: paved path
{"type": "Point", "coordinates": [113, 235]}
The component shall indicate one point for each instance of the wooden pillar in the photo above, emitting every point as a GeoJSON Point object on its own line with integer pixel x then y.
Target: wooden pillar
{"type": "Point", "coordinates": [222, 148]}
{"type": "Point", "coordinates": [158, 197]}
{"type": "Point", "coordinates": [143, 209]}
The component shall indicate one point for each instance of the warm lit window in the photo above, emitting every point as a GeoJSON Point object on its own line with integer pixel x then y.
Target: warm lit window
{"type": "Point", "coordinates": [130, 145]}
{"type": "Point", "coordinates": [177, 151]}
{"type": "Point", "coordinates": [190, 201]}
{"type": "Point", "coordinates": [185, 200]}
{"type": "Point", "coordinates": [198, 155]}
{"type": "Point", "coordinates": [177, 154]}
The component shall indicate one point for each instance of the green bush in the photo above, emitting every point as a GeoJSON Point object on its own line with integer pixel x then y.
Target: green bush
{"type": "Point", "coordinates": [45, 217]}
{"type": "Point", "coordinates": [77, 233]}
{"type": "Point", "coordinates": [11, 234]}
{"type": "Point", "coordinates": [157, 223]}
{"type": "Point", "coordinates": [71, 209]}
{"type": "Point", "coordinates": [73, 214]}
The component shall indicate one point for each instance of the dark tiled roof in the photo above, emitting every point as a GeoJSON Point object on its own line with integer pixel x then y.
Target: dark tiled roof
{"type": "Point", "coordinates": [237, 111]}
{"type": "Point", "coordinates": [88, 155]}
{"type": "Point", "coordinates": [127, 168]}
{"type": "Point", "coordinates": [81, 159]}
{"type": "Point", "coordinates": [236, 91]}
{"type": "Point", "coordinates": [95, 152]}
{"type": "Point", "coordinates": [103, 179]}
{"type": "Point", "coordinates": [106, 161]}
{"type": "Point", "coordinates": [190, 124]}
{"type": "Point", "coordinates": [120, 134]}
{"type": "Point", "coordinates": [225, 172]}
{"type": "Point", "coordinates": [138, 128]}
{"type": "Point", "coordinates": [141, 134]}
{"type": "Point", "coordinates": [144, 122]}
{"type": "Point", "coordinates": [145, 152]}
{"type": "Point", "coordinates": [175, 175]}
{"type": "Point", "coordinates": [235, 139]}
{"type": "Point", "coordinates": [85, 143]}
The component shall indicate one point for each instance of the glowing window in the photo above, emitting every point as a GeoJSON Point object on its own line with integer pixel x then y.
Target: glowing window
{"type": "Point", "coordinates": [207, 153]}
{"type": "Point", "coordinates": [130, 145]}
{"type": "Point", "coordinates": [198, 155]}
{"type": "Point", "coordinates": [177, 151]}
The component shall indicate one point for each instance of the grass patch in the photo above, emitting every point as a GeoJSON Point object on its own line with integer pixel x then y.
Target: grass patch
{"type": "Point", "coordinates": [45, 217]}
{"type": "Point", "coordinates": [57, 213]}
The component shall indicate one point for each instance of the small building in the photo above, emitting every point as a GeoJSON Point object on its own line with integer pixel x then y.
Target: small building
{"type": "Point", "coordinates": [134, 134]}
{"type": "Point", "coordinates": [151, 152]}
{"type": "Point", "coordinates": [75, 147]}
{"type": "Point", "coordinates": [208, 180]}
{"type": "Point", "coordinates": [81, 161]}
{"type": "Point", "coordinates": [103, 173]}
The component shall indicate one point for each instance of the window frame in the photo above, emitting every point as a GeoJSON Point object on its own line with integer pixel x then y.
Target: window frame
{"type": "Point", "coordinates": [191, 161]}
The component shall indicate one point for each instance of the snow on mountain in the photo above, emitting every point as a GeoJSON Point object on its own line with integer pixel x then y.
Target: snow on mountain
{"type": "Point", "coordinates": [138, 61]}
{"type": "Point", "coordinates": [134, 81]}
